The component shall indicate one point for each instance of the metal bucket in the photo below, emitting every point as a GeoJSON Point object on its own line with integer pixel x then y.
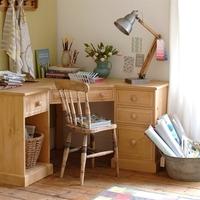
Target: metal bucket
{"type": "Point", "coordinates": [184, 169]}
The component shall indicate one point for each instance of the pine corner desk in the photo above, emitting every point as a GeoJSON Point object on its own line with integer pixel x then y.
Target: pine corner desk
{"type": "Point", "coordinates": [135, 107]}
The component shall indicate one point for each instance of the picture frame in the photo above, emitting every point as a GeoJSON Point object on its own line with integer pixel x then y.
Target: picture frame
{"type": "Point", "coordinates": [42, 62]}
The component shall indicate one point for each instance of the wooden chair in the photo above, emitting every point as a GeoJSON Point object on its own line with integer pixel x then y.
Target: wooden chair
{"type": "Point", "coordinates": [75, 103]}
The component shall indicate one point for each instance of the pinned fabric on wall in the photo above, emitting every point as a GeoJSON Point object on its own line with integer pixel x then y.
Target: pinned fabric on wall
{"type": "Point", "coordinates": [128, 64]}
{"type": "Point", "coordinates": [139, 61]}
{"type": "Point", "coordinates": [160, 50]}
{"type": "Point", "coordinates": [137, 45]}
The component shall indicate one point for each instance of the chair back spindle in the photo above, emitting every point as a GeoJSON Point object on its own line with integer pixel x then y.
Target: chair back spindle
{"type": "Point", "coordinates": [71, 93]}
{"type": "Point", "coordinates": [73, 111]}
{"type": "Point", "coordinates": [87, 110]}
{"type": "Point", "coordinates": [65, 106]}
{"type": "Point", "coordinates": [80, 113]}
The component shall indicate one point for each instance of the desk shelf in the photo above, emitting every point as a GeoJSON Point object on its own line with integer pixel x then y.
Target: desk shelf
{"type": "Point", "coordinates": [38, 172]}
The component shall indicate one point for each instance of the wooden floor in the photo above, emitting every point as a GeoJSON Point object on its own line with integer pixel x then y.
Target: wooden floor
{"type": "Point", "coordinates": [96, 180]}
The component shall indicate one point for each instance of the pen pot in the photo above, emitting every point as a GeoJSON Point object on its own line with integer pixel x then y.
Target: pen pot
{"type": "Point", "coordinates": [65, 58]}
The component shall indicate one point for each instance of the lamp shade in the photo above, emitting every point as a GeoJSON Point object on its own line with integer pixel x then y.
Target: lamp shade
{"type": "Point", "coordinates": [125, 24]}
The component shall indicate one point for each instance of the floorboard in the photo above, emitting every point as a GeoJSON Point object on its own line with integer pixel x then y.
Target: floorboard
{"type": "Point", "coordinates": [96, 180]}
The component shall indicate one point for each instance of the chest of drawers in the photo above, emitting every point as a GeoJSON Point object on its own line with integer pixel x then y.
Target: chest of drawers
{"type": "Point", "coordinates": [136, 108]}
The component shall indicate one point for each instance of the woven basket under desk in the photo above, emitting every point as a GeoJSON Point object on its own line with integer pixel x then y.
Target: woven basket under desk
{"type": "Point", "coordinates": [33, 147]}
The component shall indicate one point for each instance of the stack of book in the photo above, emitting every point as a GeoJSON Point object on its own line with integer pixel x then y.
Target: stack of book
{"type": "Point", "coordinates": [60, 72]}
{"type": "Point", "coordinates": [10, 79]}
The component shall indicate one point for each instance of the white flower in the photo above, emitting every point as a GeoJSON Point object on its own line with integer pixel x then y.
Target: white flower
{"type": "Point", "coordinates": [96, 54]}
{"type": "Point", "coordinates": [102, 50]}
{"type": "Point", "coordinates": [102, 59]}
{"type": "Point", "coordinates": [105, 56]}
{"type": "Point", "coordinates": [110, 53]}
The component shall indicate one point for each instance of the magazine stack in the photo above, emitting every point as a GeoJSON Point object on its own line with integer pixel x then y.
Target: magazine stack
{"type": "Point", "coordinates": [170, 138]}
{"type": "Point", "coordinates": [96, 122]}
{"type": "Point", "coordinates": [10, 79]}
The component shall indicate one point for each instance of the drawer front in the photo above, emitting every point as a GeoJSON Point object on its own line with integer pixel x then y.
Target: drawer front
{"type": "Point", "coordinates": [131, 115]}
{"type": "Point", "coordinates": [135, 98]}
{"type": "Point", "coordinates": [133, 144]}
{"type": "Point", "coordinates": [35, 104]}
{"type": "Point", "coordinates": [96, 95]}
{"type": "Point", "coordinates": [101, 95]}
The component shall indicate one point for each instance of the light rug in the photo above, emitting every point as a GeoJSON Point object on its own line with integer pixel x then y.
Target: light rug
{"type": "Point", "coordinates": [127, 193]}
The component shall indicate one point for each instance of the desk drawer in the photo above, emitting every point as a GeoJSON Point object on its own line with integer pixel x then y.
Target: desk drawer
{"type": "Point", "coordinates": [133, 144]}
{"type": "Point", "coordinates": [35, 104]}
{"type": "Point", "coordinates": [135, 98]}
{"type": "Point", "coordinates": [94, 95]}
{"type": "Point", "coordinates": [101, 95]}
{"type": "Point", "coordinates": [131, 115]}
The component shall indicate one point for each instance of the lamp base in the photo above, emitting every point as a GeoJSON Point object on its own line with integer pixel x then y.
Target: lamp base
{"type": "Point", "coordinates": [136, 81]}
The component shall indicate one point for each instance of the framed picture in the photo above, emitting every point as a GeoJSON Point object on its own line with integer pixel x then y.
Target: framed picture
{"type": "Point", "coordinates": [42, 62]}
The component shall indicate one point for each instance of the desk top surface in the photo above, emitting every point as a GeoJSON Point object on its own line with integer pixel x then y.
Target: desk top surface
{"type": "Point", "coordinates": [45, 84]}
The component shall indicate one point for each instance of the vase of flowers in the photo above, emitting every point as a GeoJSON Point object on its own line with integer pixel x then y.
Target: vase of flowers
{"type": "Point", "coordinates": [101, 55]}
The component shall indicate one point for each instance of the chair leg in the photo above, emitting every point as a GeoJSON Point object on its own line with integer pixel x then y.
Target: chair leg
{"type": "Point", "coordinates": [116, 154]}
{"type": "Point", "coordinates": [65, 154]}
{"type": "Point", "coordinates": [83, 159]}
{"type": "Point", "coordinates": [92, 145]}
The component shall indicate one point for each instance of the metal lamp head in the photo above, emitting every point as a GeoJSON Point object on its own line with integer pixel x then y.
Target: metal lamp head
{"type": "Point", "coordinates": [125, 24]}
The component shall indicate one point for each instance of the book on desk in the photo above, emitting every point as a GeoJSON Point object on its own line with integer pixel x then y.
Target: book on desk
{"type": "Point", "coordinates": [60, 72]}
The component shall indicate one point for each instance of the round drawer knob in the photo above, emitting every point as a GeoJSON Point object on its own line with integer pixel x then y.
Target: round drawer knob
{"type": "Point", "coordinates": [38, 103]}
{"type": "Point", "coordinates": [101, 95]}
{"type": "Point", "coordinates": [133, 98]}
{"type": "Point", "coordinates": [133, 116]}
{"type": "Point", "coordinates": [133, 142]}
{"type": "Point", "coordinates": [56, 96]}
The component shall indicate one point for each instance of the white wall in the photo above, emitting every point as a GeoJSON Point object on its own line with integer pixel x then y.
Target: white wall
{"type": "Point", "coordinates": [92, 21]}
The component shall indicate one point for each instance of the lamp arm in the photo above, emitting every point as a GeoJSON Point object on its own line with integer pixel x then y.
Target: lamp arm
{"type": "Point", "coordinates": [148, 28]}
{"type": "Point", "coordinates": [148, 59]}
{"type": "Point", "coordinates": [151, 51]}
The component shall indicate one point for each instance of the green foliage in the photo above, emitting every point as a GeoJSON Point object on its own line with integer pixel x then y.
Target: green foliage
{"type": "Point", "coordinates": [101, 52]}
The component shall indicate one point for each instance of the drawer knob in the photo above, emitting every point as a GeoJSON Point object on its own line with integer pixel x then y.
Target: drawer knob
{"type": "Point", "coordinates": [133, 142]}
{"type": "Point", "coordinates": [133, 116]}
{"type": "Point", "coordinates": [133, 98]}
{"type": "Point", "coordinates": [38, 103]}
{"type": "Point", "coordinates": [101, 95]}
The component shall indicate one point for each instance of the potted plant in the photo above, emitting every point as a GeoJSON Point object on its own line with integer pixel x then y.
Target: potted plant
{"type": "Point", "coordinates": [101, 55]}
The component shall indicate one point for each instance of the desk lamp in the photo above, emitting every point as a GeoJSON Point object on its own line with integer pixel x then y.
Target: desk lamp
{"type": "Point", "coordinates": [125, 25]}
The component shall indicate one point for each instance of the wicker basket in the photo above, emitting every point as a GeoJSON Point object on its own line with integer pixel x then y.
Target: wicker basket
{"type": "Point", "coordinates": [33, 147]}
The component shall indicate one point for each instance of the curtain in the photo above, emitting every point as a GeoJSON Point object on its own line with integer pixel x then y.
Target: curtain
{"type": "Point", "coordinates": [184, 95]}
